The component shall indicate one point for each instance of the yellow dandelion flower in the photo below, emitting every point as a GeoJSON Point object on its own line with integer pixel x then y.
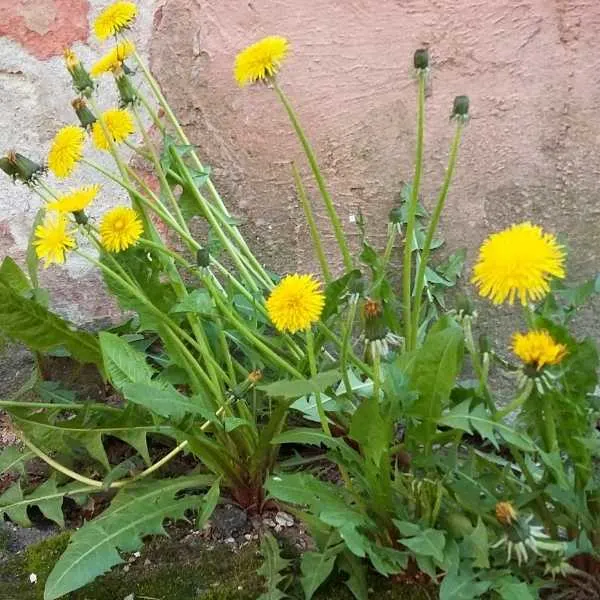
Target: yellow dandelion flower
{"type": "Point", "coordinates": [52, 239]}
{"type": "Point", "coordinates": [66, 150]}
{"type": "Point", "coordinates": [261, 60]}
{"type": "Point", "coordinates": [119, 124]}
{"type": "Point", "coordinates": [71, 60]}
{"type": "Point", "coordinates": [76, 200]}
{"type": "Point", "coordinates": [113, 59]}
{"type": "Point", "coordinates": [518, 261]}
{"type": "Point", "coordinates": [120, 229]}
{"type": "Point", "coordinates": [506, 513]}
{"type": "Point", "coordinates": [295, 303]}
{"type": "Point", "coordinates": [538, 348]}
{"type": "Point", "coordinates": [114, 18]}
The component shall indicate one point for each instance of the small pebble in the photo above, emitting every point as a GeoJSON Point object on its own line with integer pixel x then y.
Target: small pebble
{"type": "Point", "coordinates": [230, 540]}
{"type": "Point", "coordinates": [33, 578]}
{"type": "Point", "coordinates": [284, 519]}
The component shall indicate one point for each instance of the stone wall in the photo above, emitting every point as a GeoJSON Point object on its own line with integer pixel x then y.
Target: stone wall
{"type": "Point", "coordinates": [531, 150]}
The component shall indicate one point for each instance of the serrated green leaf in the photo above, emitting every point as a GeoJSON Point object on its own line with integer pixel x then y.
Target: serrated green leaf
{"type": "Point", "coordinates": [47, 497]}
{"type": "Point", "coordinates": [271, 568]}
{"type": "Point", "coordinates": [407, 529]}
{"type": "Point", "coordinates": [25, 320]}
{"type": "Point", "coordinates": [52, 434]}
{"type": "Point", "coordinates": [123, 364]}
{"type": "Point", "coordinates": [232, 423]}
{"type": "Point", "coordinates": [209, 503]}
{"type": "Point", "coordinates": [429, 542]}
{"type": "Point", "coordinates": [164, 401]}
{"type": "Point", "coordinates": [513, 590]}
{"type": "Point", "coordinates": [478, 545]}
{"type": "Point", "coordinates": [306, 435]}
{"type": "Point", "coordinates": [433, 371]}
{"type": "Point", "coordinates": [12, 460]}
{"type": "Point", "coordinates": [316, 568]}
{"type": "Point", "coordinates": [11, 273]}
{"type": "Point", "coordinates": [357, 575]}
{"type": "Point", "coordinates": [136, 511]}
{"type": "Point", "coordinates": [294, 388]}
{"type": "Point", "coordinates": [462, 586]}
{"type": "Point", "coordinates": [464, 418]}
{"type": "Point", "coordinates": [199, 302]}
{"type": "Point", "coordinates": [371, 431]}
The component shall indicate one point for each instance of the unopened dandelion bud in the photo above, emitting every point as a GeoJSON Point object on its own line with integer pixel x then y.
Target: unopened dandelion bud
{"type": "Point", "coordinates": [255, 376]}
{"type": "Point", "coordinates": [460, 109]}
{"type": "Point", "coordinates": [80, 217]}
{"type": "Point", "coordinates": [82, 82]}
{"type": "Point", "coordinates": [20, 167]}
{"type": "Point", "coordinates": [421, 59]}
{"type": "Point", "coordinates": [396, 215]}
{"type": "Point", "coordinates": [485, 346]}
{"type": "Point", "coordinates": [203, 258]}
{"type": "Point", "coordinates": [84, 114]}
{"type": "Point", "coordinates": [127, 92]}
{"type": "Point", "coordinates": [506, 513]}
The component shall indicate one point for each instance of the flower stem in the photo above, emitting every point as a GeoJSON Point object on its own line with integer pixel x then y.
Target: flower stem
{"type": "Point", "coordinates": [549, 426]}
{"type": "Point", "coordinates": [211, 188]}
{"type": "Point", "coordinates": [310, 346]}
{"type": "Point", "coordinates": [314, 165]}
{"type": "Point", "coordinates": [389, 246]}
{"type": "Point", "coordinates": [516, 403]}
{"type": "Point", "coordinates": [409, 335]}
{"type": "Point", "coordinates": [433, 225]}
{"type": "Point", "coordinates": [346, 341]}
{"type": "Point", "coordinates": [310, 219]}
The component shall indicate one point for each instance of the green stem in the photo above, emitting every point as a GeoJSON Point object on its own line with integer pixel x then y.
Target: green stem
{"type": "Point", "coordinates": [211, 188]}
{"type": "Point", "coordinates": [433, 225]}
{"type": "Point", "coordinates": [314, 165]}
{"type": "Point", "coordinates": [346, 341]}
{"type": "Point", "coordinates": [310, 219]}
{"type": "Point", "coordinates": [239, 263]}
{"type": "Point", "coordinates": [548, 426]}
{"type": "Point", "coordinates": [363, 366]}
{"type": "Point", "coordinates": [310, 346]}
{"type": "Point", "coordinates": [376, 375]}
{"type": "Point", "coordinates": [387, 254]}
{"type": "Point", "coordinates": [477, 365]}
{"type": "Point", "coordinates": [164, 184]}
{"type": "Point", "coordinates": [55, 405]}
{"type": "Point", "coordinates": [176, 334]}
{"type": "Point", "coordinates": [516, 403]}
{"type": "Point", "coordinates": [409, 335]}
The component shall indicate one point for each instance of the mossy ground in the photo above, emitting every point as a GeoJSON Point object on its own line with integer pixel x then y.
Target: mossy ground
{"type": "Point", "coordinates": [171, 570]}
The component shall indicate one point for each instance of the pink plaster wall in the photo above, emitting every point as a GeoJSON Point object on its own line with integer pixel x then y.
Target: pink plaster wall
{"type": "Point", "coordinates": [531, 151]}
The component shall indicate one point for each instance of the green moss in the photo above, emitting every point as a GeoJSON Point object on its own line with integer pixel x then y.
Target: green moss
{"type": "Point", "coordinates": [173, 570]}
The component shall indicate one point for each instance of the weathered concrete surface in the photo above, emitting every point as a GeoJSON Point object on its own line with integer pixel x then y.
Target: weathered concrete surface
{"type": "Point", "coordinates": [531, 151]}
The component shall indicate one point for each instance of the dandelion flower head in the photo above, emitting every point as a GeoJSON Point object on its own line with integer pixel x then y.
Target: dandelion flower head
{"type": "Point", "coordinates": [53, 239]}
{"type": "Point", "coordinates": [120, 229]}
{"type": "Point", "coordinates": [518, 262]}
{"type": "Point", "coordinates": [260, 60]}
{"type": "Point", "coordinates": [114, 18]}
{"type": "Point", "coordinates": [113, 59]}
{"type": "Point", "coordinates": [119, 124]}
{"type": "Point", "coordinates": [66, 150]}
{"type": "Point", "coordinates": [537, 349]}
{"type": "Point", "coordinates": [75, 200]}
{"type": "Point", "coordinates": [295, 303]}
